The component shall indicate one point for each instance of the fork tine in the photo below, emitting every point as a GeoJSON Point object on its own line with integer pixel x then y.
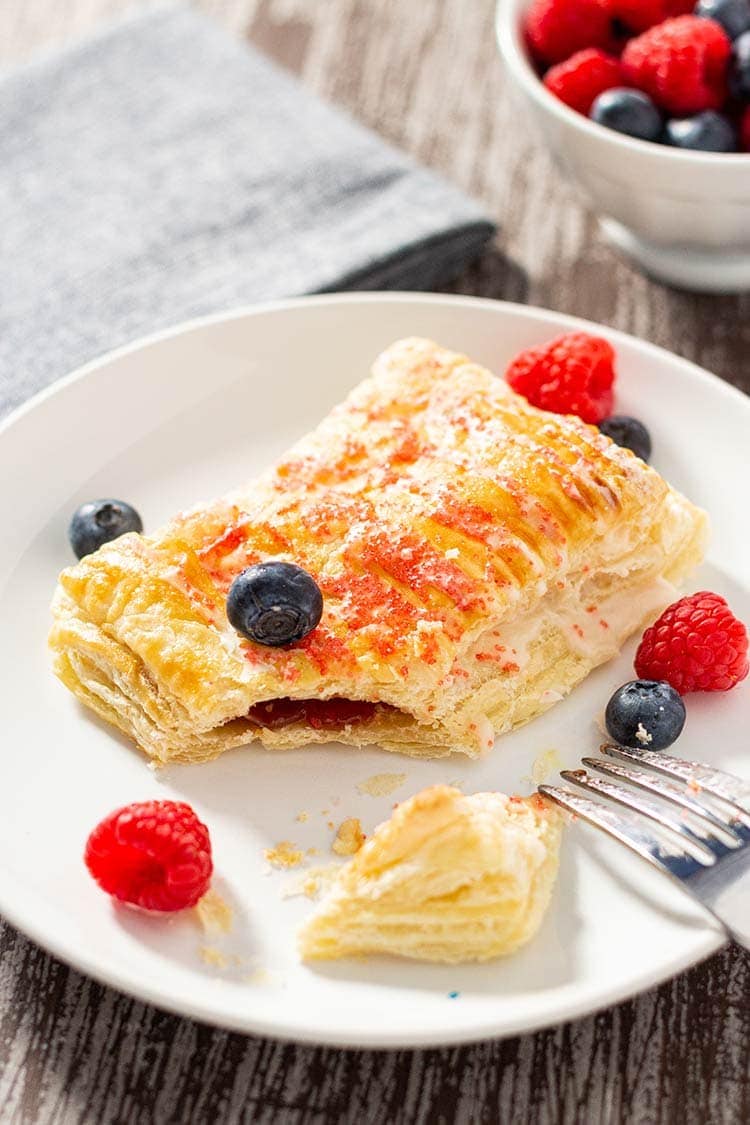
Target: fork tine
{"type": "Point", "coordinates": [690, 841]}
{"type": "Point", "coordinates": [725, 787]}
{"type": "Point", "coordinates": [628, 829]}
{"type": "Point", "coordinates": [650, 783]}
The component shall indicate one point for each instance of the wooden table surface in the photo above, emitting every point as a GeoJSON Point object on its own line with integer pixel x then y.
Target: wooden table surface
{"type": "Point", "coordinates": [426, 75]}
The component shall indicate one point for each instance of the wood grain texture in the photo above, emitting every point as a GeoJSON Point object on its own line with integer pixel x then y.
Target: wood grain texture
{"type": "Point", "coordinates": [425, 75]}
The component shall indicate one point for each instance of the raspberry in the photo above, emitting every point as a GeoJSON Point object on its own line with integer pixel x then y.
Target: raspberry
{"type": "Point", "coordinates": [556, 29]}
{"type": "Point", "coordinates": [580, 79]}
{"type": "Point", "coordinates": [635, 16]}
{"type": "Point", "coordinates": [153, 854]}
{"type": "Point", "coordinates": [745, 131]}
{"type": "Point", "coordinates": [573, 374]}
{"type": "Point", "coordinates": [682, 64]}
{"type": "Point", "coordinates": [696, 645]}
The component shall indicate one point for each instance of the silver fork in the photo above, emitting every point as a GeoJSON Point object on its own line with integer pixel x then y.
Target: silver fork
{"type": "Point", "coordinates": [690, 821]}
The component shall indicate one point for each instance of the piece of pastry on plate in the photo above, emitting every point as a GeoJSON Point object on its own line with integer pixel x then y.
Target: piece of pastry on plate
{"type": "Point", "coordinates": [447, 878]}
{"type": "Point", "coordinates": [477, 558]}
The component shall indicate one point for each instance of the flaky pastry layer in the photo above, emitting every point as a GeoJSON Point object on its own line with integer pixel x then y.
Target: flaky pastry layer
{"type": "Point", "coordinates": [477, 557]}
{"type": "Point", "coordinates": [448, 878]}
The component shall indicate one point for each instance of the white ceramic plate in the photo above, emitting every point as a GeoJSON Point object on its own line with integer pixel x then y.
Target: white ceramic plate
{"type": "Point", "coordinates": [185, 416]}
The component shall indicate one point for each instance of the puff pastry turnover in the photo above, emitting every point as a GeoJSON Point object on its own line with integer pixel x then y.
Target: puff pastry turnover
{"type": "Point", "coordinates": [477, 556]}
{"type": "Point", "coordinates": [447, 878]}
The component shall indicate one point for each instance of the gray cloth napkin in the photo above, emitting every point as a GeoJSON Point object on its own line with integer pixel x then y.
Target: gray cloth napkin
{"type": "Point", "coordinates": [161, 170]}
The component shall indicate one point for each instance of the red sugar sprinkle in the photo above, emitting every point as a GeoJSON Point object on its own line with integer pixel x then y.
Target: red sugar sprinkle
{"type": "Point", "coordinates": [410, 448]}
{"type": "Point", "coordinates": [332, 514]}
{"type": "Point", "coordinates": [227, 542]}
{"type": "Point", "coordinates": [429, 648]}
{"type": "Point", "coordinates": [415, 563]}
{"type": "Point", "coordinates": [370, 600]}
{"type": "Point", "coordinates": [460, 515]}
{"type": "Point", "coordinates": [325, 649]}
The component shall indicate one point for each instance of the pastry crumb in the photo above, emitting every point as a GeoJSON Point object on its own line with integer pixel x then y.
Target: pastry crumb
{"type": "Point", "coordinates": [257, 976]}
{"type": "Point", "coordinates": [349, 838]}
{"type": "Point", "coordinates": [262, 976]}
{"type": "Point", "coordinates": [381, 784]}
{"type": "Point", "coordinates": [312, 851]}
{"type": "Point", "coordinates": [302, 816]}
{"type": "Point", "coordinates": [544, 765]}
{"type": "Point", "coordinates": [312, 883]}
{"type": "Point", "coordinates": [643, 736]}
{"type": "Point", "coordinates": [214, 915]}
{"type": "Point", "coordinates": [311, 887]}
{"type": "Point", "coordinates": [212, 956]}
{"type": "Point", "coordinates": [284, 854]}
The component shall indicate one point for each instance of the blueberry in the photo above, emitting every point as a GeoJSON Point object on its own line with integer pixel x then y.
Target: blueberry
{"type": "Point", "coordinates": [645, 715]}
{"type": "Point", "coordinates": [733, 15]}
{"type": "Point", "coordinates": [739, 67]}
{"type": "Point", "coordinates": [98, 521]}
{"type": "Point", "coordinates": [628, 111]}
{"type": "Point", "coordinates": [628, 432]}
{"type": "Point", "coordinates": [706, 132]}
{"type": "Point", "coordinates": [274, 603]}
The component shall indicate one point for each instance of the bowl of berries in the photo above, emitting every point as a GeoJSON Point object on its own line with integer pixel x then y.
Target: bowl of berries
{"type": "Point", "coordinates": [646, 105]}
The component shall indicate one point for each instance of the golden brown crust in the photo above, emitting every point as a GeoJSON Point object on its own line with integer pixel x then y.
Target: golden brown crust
{"type": "Point", "coordinates": [443, 517]}
{"type": "Point", "coordinates": [448, 878]}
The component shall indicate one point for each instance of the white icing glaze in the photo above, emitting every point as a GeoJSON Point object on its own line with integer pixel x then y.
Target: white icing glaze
{"type": "Point", "coordinates": [583, 629]}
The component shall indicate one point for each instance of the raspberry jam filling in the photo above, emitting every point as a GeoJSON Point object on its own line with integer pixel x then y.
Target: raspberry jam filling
{"type": "Point", "coordinates": [318, 713]}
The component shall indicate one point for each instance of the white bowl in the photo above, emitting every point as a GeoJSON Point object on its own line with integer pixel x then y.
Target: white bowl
{"type": "Point", "coordinates": [683, 216]}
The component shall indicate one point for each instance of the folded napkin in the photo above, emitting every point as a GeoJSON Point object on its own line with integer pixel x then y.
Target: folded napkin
{"type": "Point", "coordinates": [161, 170]}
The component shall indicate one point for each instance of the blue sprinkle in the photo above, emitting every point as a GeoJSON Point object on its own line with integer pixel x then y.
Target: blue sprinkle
{"type": "Point", "coordinates": [453, 995]}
